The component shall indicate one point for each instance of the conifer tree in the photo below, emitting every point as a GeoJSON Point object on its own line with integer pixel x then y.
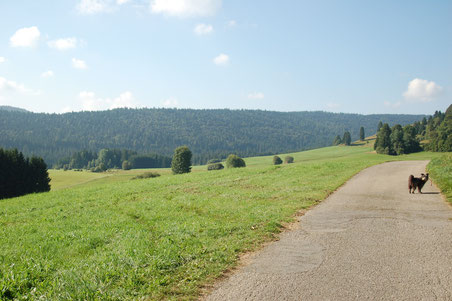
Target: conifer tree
{"type": "Point", "coordinates": [361, 134]}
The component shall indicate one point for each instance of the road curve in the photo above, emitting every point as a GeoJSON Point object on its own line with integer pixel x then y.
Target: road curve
{"type": "Point", "coordinates": [370, 240]}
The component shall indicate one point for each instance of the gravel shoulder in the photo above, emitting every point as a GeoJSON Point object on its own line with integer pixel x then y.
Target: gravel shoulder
{"type": "Point", "coordinates": [371, 239]}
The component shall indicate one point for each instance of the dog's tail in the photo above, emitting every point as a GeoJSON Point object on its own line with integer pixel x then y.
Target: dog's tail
{"type": "Point", "coordinates": [410, 181]}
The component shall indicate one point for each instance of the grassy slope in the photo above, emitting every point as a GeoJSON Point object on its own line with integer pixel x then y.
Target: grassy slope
{"type": "Point", "coordinates": [163, 237]}
{"type": "Point", "coordinates": [440, 169]}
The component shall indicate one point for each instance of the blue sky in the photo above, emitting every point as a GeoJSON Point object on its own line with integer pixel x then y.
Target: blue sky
{"type": "Point", "coordinates": [340, 56]}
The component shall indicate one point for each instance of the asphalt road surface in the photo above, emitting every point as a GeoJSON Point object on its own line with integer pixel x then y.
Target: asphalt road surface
{"type": "Point", "coordinates": [370, 240]}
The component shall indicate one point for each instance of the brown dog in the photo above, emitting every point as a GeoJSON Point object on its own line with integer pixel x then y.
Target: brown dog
{"type": "Point", "coordinates": [418, 183]}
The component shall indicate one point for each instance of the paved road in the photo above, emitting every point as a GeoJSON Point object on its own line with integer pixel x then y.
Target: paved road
{"type": "Point", "coordinates": [370, 240]}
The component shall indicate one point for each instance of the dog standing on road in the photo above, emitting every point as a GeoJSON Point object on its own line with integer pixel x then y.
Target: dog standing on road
{"type": "Point", "coordinates": [418, 183]}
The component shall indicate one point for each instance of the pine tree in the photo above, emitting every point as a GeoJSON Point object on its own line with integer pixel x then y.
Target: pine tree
{"type": "Point", "coordinates": [383, 141]}
{"type": "Point", "coordinates": [347, 139]}
{"type": "Point", "coordinates": [181, 162]}
{"type": "Point", "coordinates": [361, 134]}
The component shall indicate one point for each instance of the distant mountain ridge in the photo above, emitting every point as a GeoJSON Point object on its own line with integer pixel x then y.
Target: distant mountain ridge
{"type": "Point", "coordinates": [12, 109]}
{"type": "Point", "coordinates": [208, 133]}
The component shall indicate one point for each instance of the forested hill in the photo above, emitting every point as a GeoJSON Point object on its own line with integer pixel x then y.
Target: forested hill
{"type": "Point", "coordinates": [208, 133]}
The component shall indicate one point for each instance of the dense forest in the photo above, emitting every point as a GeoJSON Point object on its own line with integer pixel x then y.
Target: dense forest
{"type": "Point", "coordinates": [20, 175]}
{"type": "Point", "coordinates": [208, 133]}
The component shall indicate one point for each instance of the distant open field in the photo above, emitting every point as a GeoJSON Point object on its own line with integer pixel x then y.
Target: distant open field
{"type": "Point", "coordinates": [108, 237]}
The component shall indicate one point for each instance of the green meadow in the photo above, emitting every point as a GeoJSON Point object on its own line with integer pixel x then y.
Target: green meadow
{"type": "Point", "coordinates": [106, 236]}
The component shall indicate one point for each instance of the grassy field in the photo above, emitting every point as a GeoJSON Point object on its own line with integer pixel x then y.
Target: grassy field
{"type": "Point", "coordinates": [108, 237]}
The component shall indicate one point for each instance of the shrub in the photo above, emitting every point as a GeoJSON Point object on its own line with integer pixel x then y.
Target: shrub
{"type": "Point", "coordinates": [277, 160]}
{"type": "Point", "coordinates": [288, 159]}
{"type": "Point", "coordinates": [126, 165]}
{"type": "Point", "coordinates": [147, 175]}
{"type": "Point", "coordinates": [234, 161]}
{"type": "Point", "coordinates": [181, 162]}
{"type": "Point", "coordinates": [211, 161]}
{"type": "Point", "coordinates": [215, 166]}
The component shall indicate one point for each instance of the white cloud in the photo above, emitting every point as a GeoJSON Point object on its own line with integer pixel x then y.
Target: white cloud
{"type": "Point", "coordinates": [121, 2]}
{"type": "Point", "coordinates": [221, 60]}
{"type": "Point", "coordinates": [203, 29]}
{"type": "Point", "coordinates": [90, 7]}
{"type": "Point", "coordinates": [48, 73]}
{"type": "Point", "coordinates": [25, 37]}
{"type": "Point", "coordinates": [2, 59]}
{"type": "Point", "coordinates": [185, 8]}
{"type": "Point", "coordinates": [12, 86]}
{"type": "Point", "coordinates": [170, 103]}
{"type": "Point", "coordinates": [63, 44]}
{"type": "Point", "coordinates": [78, 64]}
{"type": "Point", "coordinates": [256, 95]}
{"type": "Point", "coordinates": [421, 90]}
{"type": "Point", "coordinates": [90, 102]}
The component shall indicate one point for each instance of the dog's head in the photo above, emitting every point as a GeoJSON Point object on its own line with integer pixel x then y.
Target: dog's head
{"type": "Point", "coordinates": [424, 177]}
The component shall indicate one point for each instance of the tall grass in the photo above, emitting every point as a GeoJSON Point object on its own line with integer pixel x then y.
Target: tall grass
{"type": "Point", "coordinates": [440, 169]}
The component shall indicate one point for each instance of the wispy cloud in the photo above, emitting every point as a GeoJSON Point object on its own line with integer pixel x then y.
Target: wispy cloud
{"type": "Point", "coordinates": [185, 8]}
{"type": "Point", "coordinates": [47, 74]}
{"type": "Point", "coordinates": [90, 102]}
{"type": "Point", "coordinates": [393, 105]}
{"type": "Point", "coordinates": [2, 59]}
{"type": "Point", "coordinates": [170, 103]}
{"type": "Point", "coordinates": [203, 29]}
{"type": "Point", "coordinates": [256, 95]}
{"type": "Point", "coordinates": [232, 23]}
{"type": "Point", "coordinates": [12, 86]}
{"type": "Point", "coordinates": [79, 64]}
{"type": "Point", "coordinates": [221, 60]}
{"type": "Point", "coordinates": [421, 90]}
{"type": "Point", "coordinates": [90, 7]}
{"type": "Point", "coordinates": [63, 44]}
{"type": "Point", "coordinates": [25, 37]}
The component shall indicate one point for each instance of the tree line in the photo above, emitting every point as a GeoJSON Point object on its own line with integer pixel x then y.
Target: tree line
{"type": "Point", "coordinates": [20, 175]}
{"type": "Point", "coordinates": [112, 158]}
{"type": "Point", "coordinates": [435, 133]}
{"type": "Point", "coordinates": [209, 133]}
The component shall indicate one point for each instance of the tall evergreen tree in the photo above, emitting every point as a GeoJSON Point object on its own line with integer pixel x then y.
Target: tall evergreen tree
{"type": "Point", "coordinates": [347, 139]}
{"type": "Point", "coordinates": [383, 142]}
{"type": "Point", "coordinates": [361, 134]}
{"type": "Point", "coordinates": [380, 125]}
{"type": "Point", "coordinates": [181, 162]}
{"type": "Point", "coordinates": [397, 142]}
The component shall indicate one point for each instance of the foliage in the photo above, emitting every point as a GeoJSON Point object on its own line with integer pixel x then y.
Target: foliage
{"type": "Point", "coordinates": [20, 175]}
{"type": "Point", "coordinates": [277, 160]}
{"type": "Point", "coordinates": [150, 161]}
{"type": "Point", "coordinates": [234, 161]}
{"type": "Point", "coordinates": [288, 159]}
{"type": "Point", "coordinates": [215, 166]}
{"type": "Point", "coordinates": [162, 239]}
{"type": "Point", "coordinates": [209, 133]}
{"type": "Point", "coordinates": [396, 141]}
{"type": "Point", "coordinates": [337, 140]}
{"type": "Point", "coordinates": [181, 162]}
{"type": "Point", "coordinates": [211, 161]}
{"type": "Point", "coordinates": [439, 132]}
{"type": "Point", "coordinates": [147, 175]}
{"type": "Point", "coordinates": [347, 139]}
{"type": "Point", "coordinates": [361, 134]}
{"type": "Point", "coordinates": [440, 170]}
{"type": "Point", "coordinates": [126, 165]}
